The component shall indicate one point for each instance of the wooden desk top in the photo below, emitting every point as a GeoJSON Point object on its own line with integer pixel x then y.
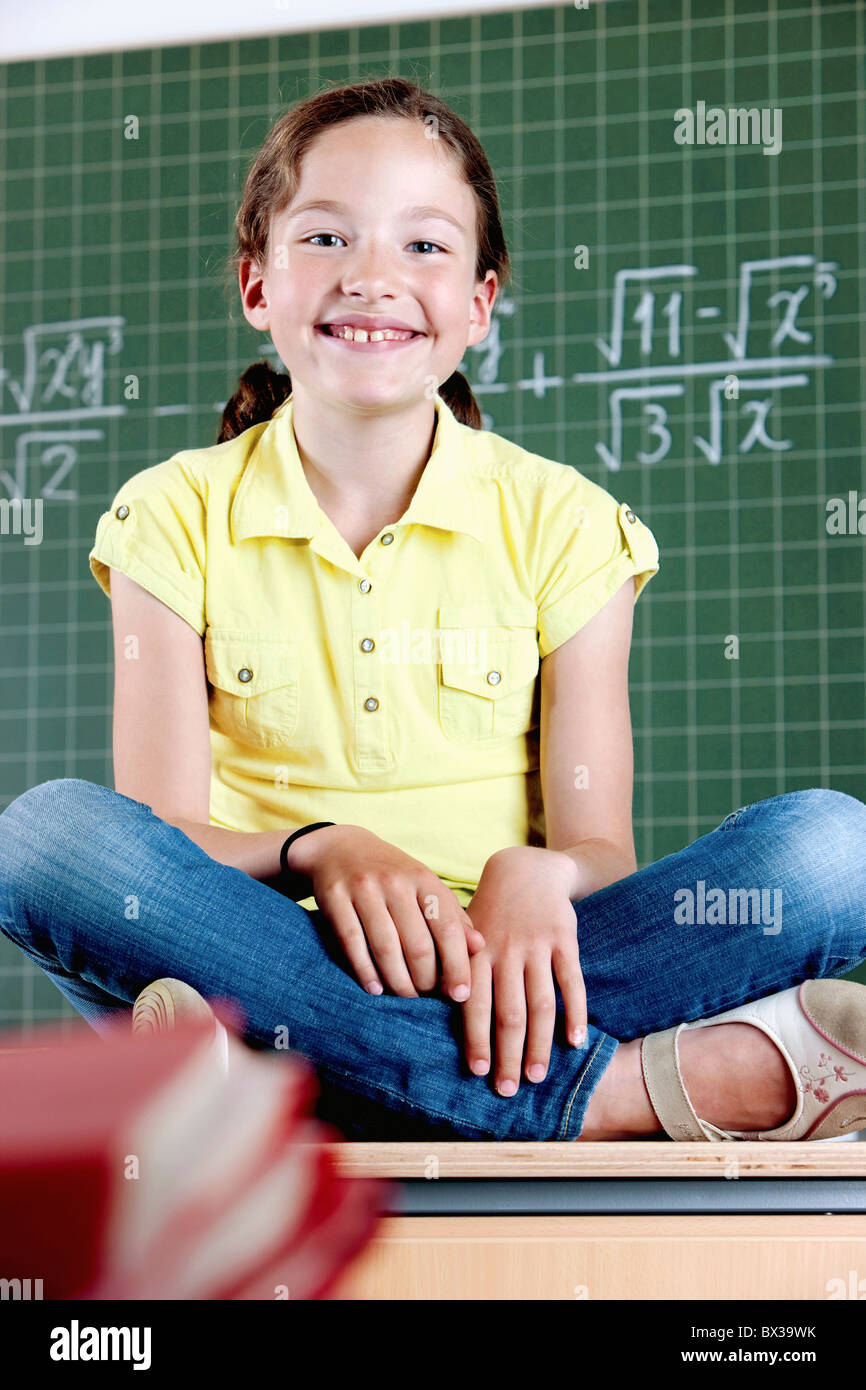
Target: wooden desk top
{"type": "Point", "coordinates": [637, 1159]}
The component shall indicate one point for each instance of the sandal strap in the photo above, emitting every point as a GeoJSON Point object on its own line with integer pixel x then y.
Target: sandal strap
{"type": "Point", "coordinates": [660, 1062]}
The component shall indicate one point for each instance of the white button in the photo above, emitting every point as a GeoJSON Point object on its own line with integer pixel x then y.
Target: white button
{"type": "Point", "coordinates": [387, 538]}
{"type": "Point", "coordinates": [365, 586]}
{"type": "Point", "coordinates": [630, 514]}
{"type": "Point", "coordinates": [122, 511]}
{"type": "Point", "coordinates": [494, 677]}
{"type": "Point", "coordinates": [367, 644]}
{"type": "Point", "coordinates": [371, 703]}
{"type": "Point", "coordinates": [245, 674]}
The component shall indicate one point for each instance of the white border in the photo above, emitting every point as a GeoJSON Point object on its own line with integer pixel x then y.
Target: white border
{"type": "Point", "coordinates": [57, 28]}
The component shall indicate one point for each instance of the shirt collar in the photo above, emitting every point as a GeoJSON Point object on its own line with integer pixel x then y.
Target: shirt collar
{"type": "Point", "coordinates": [274, 498]}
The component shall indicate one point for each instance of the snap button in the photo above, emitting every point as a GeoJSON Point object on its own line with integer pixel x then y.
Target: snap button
{"type": "Point", "coordinates": [494, 677]}
{"type": "Point", "coordinates": [365, 586]}
{"type": "Point", "coordinates": [367, 644]}
{"type": "Point", "coordinates": [245, 674]}
{"type": "Point", "coordinates": [630, 514]}
{"type": "Point", "coordinates": [371, 703]}
{"type": "Point", "coordinates": [122, 511]}
{"type": "Point", "coordinates": [387, 538]}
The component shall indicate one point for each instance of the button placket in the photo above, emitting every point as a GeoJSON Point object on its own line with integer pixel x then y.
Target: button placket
{"type": "Point", "coordinates": [368, 693]}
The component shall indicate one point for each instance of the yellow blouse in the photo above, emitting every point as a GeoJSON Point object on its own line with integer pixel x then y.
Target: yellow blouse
{"type": "Point", "coordinates": [398, 691]}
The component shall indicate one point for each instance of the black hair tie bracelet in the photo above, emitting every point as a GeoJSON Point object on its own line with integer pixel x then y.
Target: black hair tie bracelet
{"type": "Point", "coordinates": [298, 885]}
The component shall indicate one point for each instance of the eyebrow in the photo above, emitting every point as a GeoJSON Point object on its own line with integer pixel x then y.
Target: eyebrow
{"type": "Point", "coordinates": [416, 213]}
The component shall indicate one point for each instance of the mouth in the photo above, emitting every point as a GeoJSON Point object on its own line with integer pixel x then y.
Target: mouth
{"type": "Point", "coordinates": [375, 339]}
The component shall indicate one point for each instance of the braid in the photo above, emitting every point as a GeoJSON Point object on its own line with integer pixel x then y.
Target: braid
{"type": "Point", "coordinates": [260, 391]}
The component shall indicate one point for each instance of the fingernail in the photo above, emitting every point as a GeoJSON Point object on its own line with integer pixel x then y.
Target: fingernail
{"type": "Point", "coordinates": [578, 1036]}
{"type": "Point", "coordinates": [373, 987]}
{"type": "Point", "coordinates": [460, 992]}
{"type": "Point", "coordinates": [479, 1067]}
{"type": "Point", "coordinates": [537, 1072]}
{"type": "Point", "coordinates": [507, 1088]}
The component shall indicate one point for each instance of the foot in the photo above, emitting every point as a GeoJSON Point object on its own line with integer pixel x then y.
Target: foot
{"type": "Point", "coordinates": [735, 1075]}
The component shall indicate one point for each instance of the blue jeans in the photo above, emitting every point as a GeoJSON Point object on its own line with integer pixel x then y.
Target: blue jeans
{"type": "Point", "coordinates": [105, 896]}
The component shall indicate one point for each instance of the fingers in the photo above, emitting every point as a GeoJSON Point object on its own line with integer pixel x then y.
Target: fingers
{"type": "Point", "coordinates": [347, 926]}
{"type": "Point", "coordinates": [521, 994]}
{"type": "Point", "coordinates": [385, 942]}
{"type": "Point", "coordinates": [572, 987]}
{"type": "Point", "coordinates": [449, 933]}
{"type": "Point", "coordinates": [366, 931]}
{"type": "Point", "coordinates": [474, 940]}
{"type": "Point", "coordinates": [541, 1009]}
{"type": "Point", "coordinates": [476, 1015]}
{"type": "Point", "coordinates": [509, 1003]}
{"type": "Point", "coordinates": [388, 926]}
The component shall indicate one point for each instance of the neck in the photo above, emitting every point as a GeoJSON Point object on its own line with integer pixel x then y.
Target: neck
{"type": "Point", "coordinates": [362, 465]}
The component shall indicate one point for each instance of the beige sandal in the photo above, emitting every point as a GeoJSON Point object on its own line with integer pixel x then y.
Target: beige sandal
{"type": "Point", "coordinates": [165, 1003]}
{"type": "Point", "coordinates": [820, 1029]}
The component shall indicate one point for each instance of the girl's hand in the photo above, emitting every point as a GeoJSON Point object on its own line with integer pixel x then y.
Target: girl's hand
{"type": "Point", "coordinates": [528, 921]}
{"type": "Point", "coordinates": [387, 906]}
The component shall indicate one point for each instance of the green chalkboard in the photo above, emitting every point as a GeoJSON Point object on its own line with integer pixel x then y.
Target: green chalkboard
{"type": "Point", "coordinates": [685, 326]}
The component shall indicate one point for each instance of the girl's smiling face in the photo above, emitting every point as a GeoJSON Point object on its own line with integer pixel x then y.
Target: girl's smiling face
{"type": "Point", "coordinates": [381, 230]}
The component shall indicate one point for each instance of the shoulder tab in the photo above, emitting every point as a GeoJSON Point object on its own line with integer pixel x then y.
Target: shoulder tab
{"type": "Point", "coordinates": [639, 538]}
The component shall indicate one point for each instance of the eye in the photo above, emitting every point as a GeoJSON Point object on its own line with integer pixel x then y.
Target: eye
{"type": "Point", "coordinates": [317, 237]}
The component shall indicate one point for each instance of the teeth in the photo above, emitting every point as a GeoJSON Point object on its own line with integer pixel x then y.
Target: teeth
{"type": "Point", "coordinates": [362, 335]}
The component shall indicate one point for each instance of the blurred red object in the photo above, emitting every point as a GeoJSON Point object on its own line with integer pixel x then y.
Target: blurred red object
{"type": "Point", "coordinates": [164, 1169]}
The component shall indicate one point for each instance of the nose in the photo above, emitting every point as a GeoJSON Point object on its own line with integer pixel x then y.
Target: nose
{"type": "Point", "coordinates": [372, 272]}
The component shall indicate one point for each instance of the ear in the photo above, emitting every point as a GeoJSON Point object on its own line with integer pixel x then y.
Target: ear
{"type": "Point", "coordinates": [481, 312]}
{"type": "Point", "coordinates": [253, 294]}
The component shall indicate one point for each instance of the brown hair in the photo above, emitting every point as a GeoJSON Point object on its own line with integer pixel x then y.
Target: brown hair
{"type": "Point", "coordinates": [271, 184]}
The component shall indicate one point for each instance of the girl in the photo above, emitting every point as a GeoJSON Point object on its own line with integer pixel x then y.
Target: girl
{"type": "Point", "coordinates": [332, 621]}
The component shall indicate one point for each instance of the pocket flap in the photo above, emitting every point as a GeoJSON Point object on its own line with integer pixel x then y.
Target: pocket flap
{"type": "Point", "coordinates": [248, 664]}
{"type": "Point", "coordinates": [483, 657]}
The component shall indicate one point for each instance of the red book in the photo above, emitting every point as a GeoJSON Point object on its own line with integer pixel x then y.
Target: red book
{"type": "Point", "coordinates": [158, 1168]}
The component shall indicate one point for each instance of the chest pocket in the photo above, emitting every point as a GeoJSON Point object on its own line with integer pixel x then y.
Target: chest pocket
{"type": "Point", "coordinates": [254, 682]}
{"type": "Point", "coordinates": [488, 671]}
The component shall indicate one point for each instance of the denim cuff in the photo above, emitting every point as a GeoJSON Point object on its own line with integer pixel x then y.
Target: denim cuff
{"type": "Point", "coordinates": [591, 1072]}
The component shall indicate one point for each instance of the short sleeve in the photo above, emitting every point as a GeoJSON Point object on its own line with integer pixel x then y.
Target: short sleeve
{"type": "Point", "coordinates": [588, 547]}
{"type": "Point", "coordinates": [154, 531]}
